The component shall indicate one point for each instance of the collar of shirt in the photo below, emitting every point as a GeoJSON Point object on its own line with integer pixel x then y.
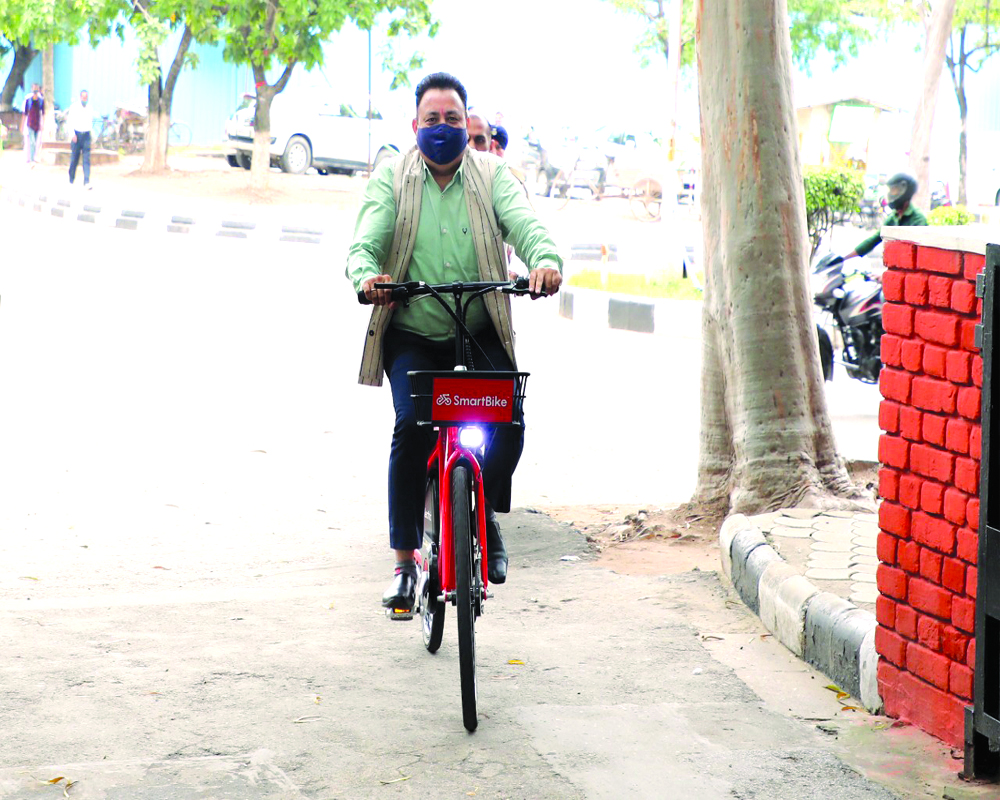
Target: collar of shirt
{"type": "Point", "coordinates": [902, 219]}
{"type": "Point", "coordinates": [455, 179]}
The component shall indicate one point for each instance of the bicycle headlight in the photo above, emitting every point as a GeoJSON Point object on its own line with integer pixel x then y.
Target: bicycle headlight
{"type": "Point", "coordinates": [471, 438]}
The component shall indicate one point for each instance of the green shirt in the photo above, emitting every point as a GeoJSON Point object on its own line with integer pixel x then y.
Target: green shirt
{"type": "Point", "coordinates": [444, 250]}
{"type": "Point", "coordinates": [912, 216]}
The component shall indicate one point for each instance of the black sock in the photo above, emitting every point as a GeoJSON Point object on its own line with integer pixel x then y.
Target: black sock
{"type": "Point", "coordinates": [408, 565]}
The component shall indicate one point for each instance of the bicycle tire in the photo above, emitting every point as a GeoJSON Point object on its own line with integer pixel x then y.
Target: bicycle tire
{"type": "Point", "coordinates": [431, 611]}
{"type": "Point", "coordinates": [178, 134]}
{"type": "Point", "coordinates": [466, 585]}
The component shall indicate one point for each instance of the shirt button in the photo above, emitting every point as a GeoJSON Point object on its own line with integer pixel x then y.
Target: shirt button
{"type": "Point", "coordinates": [444, 230]}
{"type": "Point", "coordinates": [447, 263]}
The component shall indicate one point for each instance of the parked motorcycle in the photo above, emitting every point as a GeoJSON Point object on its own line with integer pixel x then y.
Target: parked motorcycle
{"type": "Point", "coordinates": [850, 306]}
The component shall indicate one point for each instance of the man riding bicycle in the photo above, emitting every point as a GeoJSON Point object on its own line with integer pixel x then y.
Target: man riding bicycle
{"type": "Point", "coordinates": [437, 214]}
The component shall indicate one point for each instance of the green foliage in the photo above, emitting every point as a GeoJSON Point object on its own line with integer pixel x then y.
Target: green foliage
{"type": "Point", "coordinates": [831, 193]}
{"type": "Point", "coordinates": [950, 215]}
{"type": "Point", "coordinates": [44, 22]}
{"type": "Point", "coordinates": [265, 33]}
{"type": "Point", "coordinates": [837, 26]}
{"type": "Point", "coordinates": [655, 37]}
{"type": "Point", "coordinates": [659, 285]}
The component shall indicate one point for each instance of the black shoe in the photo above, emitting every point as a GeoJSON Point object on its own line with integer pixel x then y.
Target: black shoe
{"type": "Point", "coordinates": [496, 553]}
{"type": "Point", "coordinates": [402, 592]}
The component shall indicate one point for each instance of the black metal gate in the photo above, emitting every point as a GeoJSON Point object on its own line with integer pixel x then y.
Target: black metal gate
{"type": "Point", "coordinates": [982, 719]}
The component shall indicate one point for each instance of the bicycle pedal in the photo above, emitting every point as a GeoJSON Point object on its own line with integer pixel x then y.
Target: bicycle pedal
{"type": "Point", "coordinates": [399, 613]}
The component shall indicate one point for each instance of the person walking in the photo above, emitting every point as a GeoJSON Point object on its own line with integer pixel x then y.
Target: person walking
{"type": "Point", "coordinates": [81, 123]}
{"type": "Point", "coordinates": [31, 128]}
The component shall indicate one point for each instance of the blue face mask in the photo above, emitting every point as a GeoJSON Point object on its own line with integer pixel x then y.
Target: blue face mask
{"type": "Point", "coordinates": [442, 143]}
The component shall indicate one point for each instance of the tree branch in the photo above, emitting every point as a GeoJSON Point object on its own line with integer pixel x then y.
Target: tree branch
{"type": "Point", "coordinates": [178, 63]}
{"type": "Point", "coordinates": [279, 85]}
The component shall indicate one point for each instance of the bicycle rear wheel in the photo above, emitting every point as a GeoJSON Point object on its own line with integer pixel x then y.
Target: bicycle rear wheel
{"type": "Point", "coordinates": [466, 592]}
{"type": "Point", "coordinates": [431, 611]}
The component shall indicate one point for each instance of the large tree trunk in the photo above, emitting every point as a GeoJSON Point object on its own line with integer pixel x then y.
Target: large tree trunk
{"type": "Point", "coordinates": [766, 438]}
{"type": "Point", "coordinates": [161, 98]}
{"type": "Point", "coordinates": [49, 87]}
{"type": "Point", "coordinates": [938, 32]}
{"type": "Point", "coordinates": [23, 56]}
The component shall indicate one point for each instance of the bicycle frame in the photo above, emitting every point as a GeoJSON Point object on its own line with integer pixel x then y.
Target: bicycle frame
{"type": "Point", "coordinates": [448, 452]}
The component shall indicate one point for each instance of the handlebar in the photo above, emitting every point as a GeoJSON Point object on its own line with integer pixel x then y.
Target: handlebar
{"type": "Point", "coordinates": [402, 292]}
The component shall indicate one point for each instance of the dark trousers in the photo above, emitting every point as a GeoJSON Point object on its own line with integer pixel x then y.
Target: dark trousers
{"type": "Point", "coordinates": [80, 148]}
{"type": "Point", "coordinates": [412, 444]}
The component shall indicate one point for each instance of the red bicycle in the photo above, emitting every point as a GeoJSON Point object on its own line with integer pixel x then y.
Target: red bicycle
{"type": "Point", "coordinates": [460, 403]}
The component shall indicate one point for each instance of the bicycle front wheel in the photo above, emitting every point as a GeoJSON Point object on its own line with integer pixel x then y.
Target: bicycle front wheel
{"type": "Point", "coordinates": [466, 591]}
{"type": "Point", "coordinates": [179, 135]}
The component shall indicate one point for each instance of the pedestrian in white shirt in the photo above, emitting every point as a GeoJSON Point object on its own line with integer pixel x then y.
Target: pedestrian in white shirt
{"type": "Point", "coordinates": [81, 123]}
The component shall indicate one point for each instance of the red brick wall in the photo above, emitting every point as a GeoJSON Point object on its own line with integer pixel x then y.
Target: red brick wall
{"type": "Point", "coordinates": [929, 485]}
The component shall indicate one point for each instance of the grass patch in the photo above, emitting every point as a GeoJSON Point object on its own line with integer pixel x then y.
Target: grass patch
{"type": "Point", "coordinates": [661, 285]}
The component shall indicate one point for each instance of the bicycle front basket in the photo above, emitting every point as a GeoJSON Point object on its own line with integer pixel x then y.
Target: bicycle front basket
{"type": "Point", "coordinates": [457, 397]}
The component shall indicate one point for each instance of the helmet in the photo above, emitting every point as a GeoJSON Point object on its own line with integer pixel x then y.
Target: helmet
{"type": "Point", "coordinates": [902, 187]}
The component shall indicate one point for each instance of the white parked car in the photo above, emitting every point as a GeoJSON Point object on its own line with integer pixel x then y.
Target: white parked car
{"type": "Point", "coordinates": [333, 138]}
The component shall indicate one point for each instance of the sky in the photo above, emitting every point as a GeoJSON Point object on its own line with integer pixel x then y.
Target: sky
{"type": "Point", "coordinates": [556, 65]}
{"type": "Point", "coordinates": [541, 62]}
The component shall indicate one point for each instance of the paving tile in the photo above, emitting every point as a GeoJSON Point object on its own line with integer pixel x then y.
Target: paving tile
{"type": "Point", "coordinates": [813, 567]}
{"type": "Point", "coordinates": [844, 547]}
{"type": "Point", "coordinates": [865, 551]}
{"type": "Point", "coordinates": [791, 533]}
{"type": "Point", "coordinates": [837, 525]}
{"type": "Point", "coordinates": [826, 556]}
{"type": "Point", "coordinates": [863, 593]}
{"type": "Point", "coordinates": [856, 559]}
{"type": "Point", "coordinates": [794, 522]}
{"type": "Point", "coordinates": [865, 569]}
{"type": "Point", "coordinates": [866, 517]}
{"type": "Point", "coordinates": [829, 574]}
{"type": "Point", "coordinates": [840, 514]}
{"type": "Point", "coordinates": [864, 541]}
{"type": "Point", "coordinates": [867, 528]}
{"type": "Point", "coordinates": [863, 577]}
{"type": "Point", "coordinates": [831, 536]}
{"type": "Point", "coordinates": [800, 513]}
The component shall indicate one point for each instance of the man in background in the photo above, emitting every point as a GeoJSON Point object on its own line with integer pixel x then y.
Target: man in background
{"type": "Point", "coordinates": [500, 140]}
{"type": "Point", "coordinates": [80, 120]}
{"type": "Point", "coordinates": [31, 128]}
{"type": "Point", "coordinates": [480, 133]}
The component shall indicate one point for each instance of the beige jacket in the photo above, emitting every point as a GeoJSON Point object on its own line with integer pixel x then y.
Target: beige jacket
{"type": "Point", "coordinates": [408, 185]}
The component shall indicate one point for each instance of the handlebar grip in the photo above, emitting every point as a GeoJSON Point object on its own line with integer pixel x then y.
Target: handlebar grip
{"type": "Point", "coordinates": [363, 298]}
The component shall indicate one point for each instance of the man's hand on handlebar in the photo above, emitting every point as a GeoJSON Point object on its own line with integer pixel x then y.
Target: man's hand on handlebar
{"type": "Point", "coordinates": [543, 281]}
{"type": "Point", "coordinates": [376, 296]}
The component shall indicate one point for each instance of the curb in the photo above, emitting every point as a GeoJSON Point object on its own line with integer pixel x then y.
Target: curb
{"type": "Point", "coordinates": [823, 629]}
{"type": "Point", "coordinates": [97, 212]}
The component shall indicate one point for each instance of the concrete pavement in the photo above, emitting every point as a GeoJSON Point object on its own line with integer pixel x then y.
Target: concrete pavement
{"type": "Point", "coordinates": [195, 547]}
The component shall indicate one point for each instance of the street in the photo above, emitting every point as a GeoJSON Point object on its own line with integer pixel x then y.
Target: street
{"type": "Point", "coordinates": [194, 545]}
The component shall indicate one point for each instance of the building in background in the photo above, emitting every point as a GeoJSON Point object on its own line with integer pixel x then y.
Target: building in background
{"type": "Point", "coordinates": [850, 131]}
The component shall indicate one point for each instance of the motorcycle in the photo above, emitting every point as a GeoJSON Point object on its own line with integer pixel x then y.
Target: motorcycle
{"type": "Point", "coordinates": [852, 311]}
